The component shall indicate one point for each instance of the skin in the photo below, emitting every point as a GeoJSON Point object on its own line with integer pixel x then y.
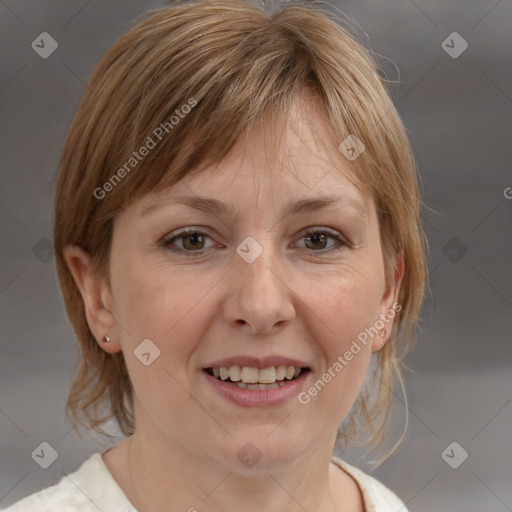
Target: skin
{"type": "Point", "coordinates": [298, 299]}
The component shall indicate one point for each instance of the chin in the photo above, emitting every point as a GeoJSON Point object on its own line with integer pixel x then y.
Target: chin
{"type": "Point", "coordinates": [262, 448]}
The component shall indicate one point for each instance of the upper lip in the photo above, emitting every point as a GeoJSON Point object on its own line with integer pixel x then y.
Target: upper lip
{"type": "Point", "coordinates": [257, 362]}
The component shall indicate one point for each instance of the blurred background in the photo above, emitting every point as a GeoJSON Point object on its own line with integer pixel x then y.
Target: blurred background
{"type": "Point", "coordinates": [451, 67]}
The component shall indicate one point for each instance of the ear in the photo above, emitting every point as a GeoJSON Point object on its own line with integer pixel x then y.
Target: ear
{"type": "Point", "coordinates": [96, 295]}
{"type": "Point", "coordinates": [389, 305]}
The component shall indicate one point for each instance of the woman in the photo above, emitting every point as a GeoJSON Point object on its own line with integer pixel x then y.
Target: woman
{"type": "Point", "coordinates": [238, 242]}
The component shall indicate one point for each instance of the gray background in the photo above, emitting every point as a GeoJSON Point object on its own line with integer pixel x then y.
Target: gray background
{"type": "Point", "coordinates": [458, 113]}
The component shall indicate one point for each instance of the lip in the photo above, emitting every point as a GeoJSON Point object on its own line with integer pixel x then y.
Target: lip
{"type": "Point", "coordinates": [257, 362]}
{"type": "Point", "coordinates": [257, 397]}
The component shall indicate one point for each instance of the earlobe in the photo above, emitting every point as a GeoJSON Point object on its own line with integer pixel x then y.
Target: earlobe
{"type": "Point", "coordinates": [380, 340]}
{"type": "Point", "coordinates": [95, 295]}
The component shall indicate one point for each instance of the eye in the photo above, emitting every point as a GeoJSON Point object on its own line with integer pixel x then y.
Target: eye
{"type": "Point", "coordinates": [192, 241]}
{"type": "Point", "coordinates": [317, 239]}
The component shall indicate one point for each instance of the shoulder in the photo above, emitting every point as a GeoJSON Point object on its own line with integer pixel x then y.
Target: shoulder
{"type": "Point", "coordinates": [90, 488]}
{"type": "Point", "coordinates": [54, 498]}
{"type": "Point", "coordinates": [377, 497]}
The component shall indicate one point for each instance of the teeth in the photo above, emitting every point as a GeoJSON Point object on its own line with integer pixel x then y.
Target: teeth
{"type": "Point", "coordinates": [249, 375]}
{"type": "Point", "coordinates": [242, 385]}
{"type": "Point", "coordinates": [235, 373]}
{"type": "Point", "coordinates": [267, 375]}
{"type": "Point", "coordinates": [281, 372]}
{"type": "Point", "coordinates": [253, 378]}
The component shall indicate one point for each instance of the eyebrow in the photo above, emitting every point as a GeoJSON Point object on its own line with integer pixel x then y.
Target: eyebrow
{"type": "Point", "coordinates": [302, 206]}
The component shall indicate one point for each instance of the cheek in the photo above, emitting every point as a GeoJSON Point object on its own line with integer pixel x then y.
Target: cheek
{"type": "Point", "coordinates": [340, 316]}
{"type": "Point", "coordinates": [157, 305]}
{"type": "Point", "coordinates": [165, 307]}
{"type": "Point", "coordinates": [344, 306]}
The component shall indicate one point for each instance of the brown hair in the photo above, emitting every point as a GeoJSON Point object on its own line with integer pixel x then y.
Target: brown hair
{"type": "Point", "coordinates": [233, 62]}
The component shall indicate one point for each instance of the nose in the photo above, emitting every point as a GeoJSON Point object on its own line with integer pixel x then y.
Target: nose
{"type": "Point", "coordinates": [259, 299]}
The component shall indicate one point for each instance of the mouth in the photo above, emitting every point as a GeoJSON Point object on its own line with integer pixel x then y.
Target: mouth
{"type": "Point", "coordinates": [251, 378]}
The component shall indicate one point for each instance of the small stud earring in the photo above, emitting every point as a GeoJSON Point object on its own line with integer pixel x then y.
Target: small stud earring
{"type": "Point", "coordinates": [106, 339]}
{"type": "Point", "coordinates": [382, 333]}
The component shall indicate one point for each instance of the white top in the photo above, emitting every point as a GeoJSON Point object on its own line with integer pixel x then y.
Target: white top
{"type": "Point", "coordinates": [92, 487]}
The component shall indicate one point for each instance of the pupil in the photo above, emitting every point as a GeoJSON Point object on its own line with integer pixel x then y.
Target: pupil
{"type": "Point", "coordinates": [315, 237]}
{"type": "Point", "coordinates": [195, 237]}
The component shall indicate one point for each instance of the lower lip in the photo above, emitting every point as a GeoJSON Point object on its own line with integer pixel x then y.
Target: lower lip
{"type": "Point", "coordinates": [257, 397]}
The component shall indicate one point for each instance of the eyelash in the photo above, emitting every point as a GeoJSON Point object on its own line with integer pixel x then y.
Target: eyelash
{"type": "Point", "coordinates": [166, 242]}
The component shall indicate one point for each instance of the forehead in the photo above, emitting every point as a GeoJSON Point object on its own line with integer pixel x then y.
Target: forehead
{"type": "Point", "coordinates": [299, 162]}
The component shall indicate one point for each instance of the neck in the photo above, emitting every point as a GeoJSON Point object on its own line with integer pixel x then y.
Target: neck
{"type": "Point", "coordinates": [190, 482]}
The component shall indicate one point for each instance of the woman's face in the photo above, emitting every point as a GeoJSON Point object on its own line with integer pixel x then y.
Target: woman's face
{"type": "Point", "coordinates": [263, 284]}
